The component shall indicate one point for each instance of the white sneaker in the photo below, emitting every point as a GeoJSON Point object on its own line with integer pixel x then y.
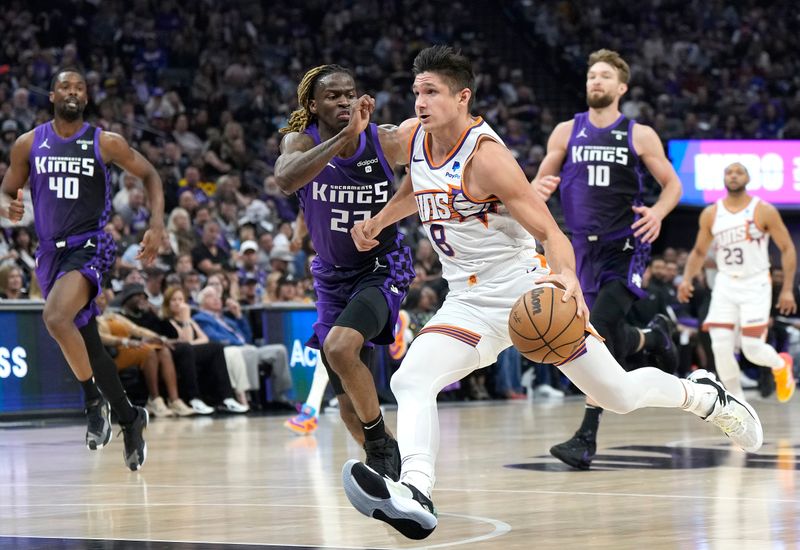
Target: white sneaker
{"type": "Point", "coordinates": [158, 408]}
{"type": "Point", "coordinates": [233, 406]}
{"type": "Point", "coordinates": [546, 391]}
{"type": "Point", "coordinates": [735, 418]}
{"type": "Point", "coordinates": [200, 407]}
{"type": "Point", "coordinates": [180, 408]}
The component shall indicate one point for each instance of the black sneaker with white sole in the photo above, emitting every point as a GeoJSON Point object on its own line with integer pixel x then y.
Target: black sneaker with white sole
{"type": "Point", "coordinates": [98, 424]}
{"type": "Point", "coordinates": [383, 456]}
{"type": "Point", "coordinates": [135, 452]}
{"type": "Point", "coordinates": [401, 505]}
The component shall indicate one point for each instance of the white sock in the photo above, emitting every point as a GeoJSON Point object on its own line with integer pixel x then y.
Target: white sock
{"type": "Point", "coordinates": [318, 385]}
{"type": "Point", "coordinates": [700, 398]}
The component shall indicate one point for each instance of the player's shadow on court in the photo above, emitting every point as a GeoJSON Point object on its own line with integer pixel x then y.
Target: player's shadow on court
{"type": "Point", "coordinates": [646, 457]}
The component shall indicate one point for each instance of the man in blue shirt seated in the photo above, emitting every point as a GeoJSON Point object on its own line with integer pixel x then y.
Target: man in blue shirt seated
{"type": "Point", "coordinates": [232, 329]}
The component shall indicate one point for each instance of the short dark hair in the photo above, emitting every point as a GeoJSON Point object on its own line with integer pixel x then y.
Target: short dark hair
{"type": "Point", "coordinates": [58, 73]}
{"type": "Point", "coordinates": [454, 67]}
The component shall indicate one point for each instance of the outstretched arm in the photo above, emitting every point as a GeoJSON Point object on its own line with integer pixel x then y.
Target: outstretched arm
{"type": "Point", "coordinates": [395, 143]}
{"type": "Point", "coordinates": [494, 171]}
{"type": "Point", "coordinates": [301, 159]}
{"type": "Point", "coordinates": [694, 263]}
{"type": "Point", "coordinates": [651, 151]}
{"type": "Point", "coordinates": [115, 148]}
{"type": "Point", "coordinates": [773, 224]}
{"type": "Point", "coordinates": [400, 206]}
{"type": "Point", "coordinates": [547, 178]}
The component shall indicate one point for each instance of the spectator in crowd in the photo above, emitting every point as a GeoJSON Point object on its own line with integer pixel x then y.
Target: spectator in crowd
{"type": "Point", "coordinates": [209, 357]}
{"type": "Point", "coordinates": [11, 283]}
{"type": "Point", "coordinates": [182, 238]}
{"type": "Point", "coordinates": [208, 257]}
{"type": "Point", "coordinates": [24, 247]}
{"type": "Point", "coordinates": [135, 346]}
{"type": "Point", "coordinates": [121, 200]}
{"type": "Point", "coordinates": [232, 329]}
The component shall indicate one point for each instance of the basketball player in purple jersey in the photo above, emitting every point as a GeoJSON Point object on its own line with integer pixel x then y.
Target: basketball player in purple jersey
{"type": "Point", "coordinates": [340, 165]}
{"type": "Point", "coordinates": [66, 161]}
{"type": "Point", "coordinates": [601, 155]}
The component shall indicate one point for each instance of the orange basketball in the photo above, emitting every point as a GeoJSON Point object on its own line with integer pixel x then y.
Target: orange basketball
{"type": "Point", "coordinates": [543, 328]}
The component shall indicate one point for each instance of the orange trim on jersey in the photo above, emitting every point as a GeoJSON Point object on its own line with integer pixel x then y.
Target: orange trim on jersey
{"type": "Point", "coordinates": [464, 190]}
{"type": "Point", "coordinates": [755, 221]}
{"type": "Point", "coordinates": [411, 146]}
{"type": "Point", "coordinates": [755, 331]}
{"type": "Point", "coordinates": [461, 334]}
{"type": "Point", "coordinates": [542, 259]}
{"type": "Point", "coordinates": [455, 148]}
{"type": "Point", "coordinates": [729, 326]}
{"type": "Point", "coordinates": [577, 353]}
{"type": "Point", "coordinates": [591, 330]}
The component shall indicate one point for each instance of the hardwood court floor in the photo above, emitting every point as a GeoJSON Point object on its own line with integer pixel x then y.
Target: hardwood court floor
{"type": "Point", "coordinates": [662, 479]}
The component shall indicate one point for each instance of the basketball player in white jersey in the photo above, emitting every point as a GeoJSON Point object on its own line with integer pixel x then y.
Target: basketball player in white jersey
{"type": "Point", "coordinates": [740, 226]}
{"type": "Point", "coordinates": [481, 215]}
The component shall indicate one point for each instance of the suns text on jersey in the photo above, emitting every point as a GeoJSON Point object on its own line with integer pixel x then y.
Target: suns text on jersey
{"type": "Point", "coordinates": [733, 235]}
{"type": "Point", "coordinates": [434, 206]}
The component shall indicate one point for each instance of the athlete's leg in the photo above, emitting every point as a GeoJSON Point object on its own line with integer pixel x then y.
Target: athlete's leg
{"type": "Point", "coordinates": [318, 385]}
{"type": "Point", "coordinates": [69, 295]}
{"type": "Point", "coordinates": [722, 345]}
{"type": "Point", "coordinates": [347, 411]}
{"type": "Point", "coordinates": [758, 352]}
{"type": "Point", "coordinates": [361, 320]}
{"type": "Point", "coordinates": [66, 299]}
{"type": "Point", "coordinates": [433, 361]}
{"type": "Point", "coordinates": [609, 309]}
{"type": "Point", "coordinates": [598, 375]}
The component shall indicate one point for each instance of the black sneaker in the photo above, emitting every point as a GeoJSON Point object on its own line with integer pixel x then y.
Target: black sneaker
{"type": "Point", "coordinates": [401, 505]}
{"type": "Point", "coordinates": [383, 456]}
{"type": "Point", "coordinates": [98, 428]}
{"type": "Point", "coordinates": [667, 357]}
{"type": "Point", "coordinates": [135, 452]}
{"type": "Point", "coordinates": [577, 452]}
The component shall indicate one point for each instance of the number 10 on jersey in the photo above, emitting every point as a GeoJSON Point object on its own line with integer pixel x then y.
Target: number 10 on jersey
{"type": "Point", "coordinates": [599, 175]}
{"type": "Point", "coordinates": [65, 188]}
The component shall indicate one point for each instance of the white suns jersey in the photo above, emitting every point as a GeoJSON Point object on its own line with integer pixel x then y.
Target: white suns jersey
{"type": "Point", "coordinates": [470, 236]}
{"type": "Point", "coordinates": [742, 248]}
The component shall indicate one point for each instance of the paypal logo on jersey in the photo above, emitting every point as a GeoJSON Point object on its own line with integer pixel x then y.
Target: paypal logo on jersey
{"type": "Point", "coordinates": [455, 168]}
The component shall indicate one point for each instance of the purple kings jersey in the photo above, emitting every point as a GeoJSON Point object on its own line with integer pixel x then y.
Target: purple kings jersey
{"type": "Point", "coordinates": [345, 192]}
{"type": "Point", "coordinates": [601, 178]}
{"type": "Point", "coordinates": [69, 183]}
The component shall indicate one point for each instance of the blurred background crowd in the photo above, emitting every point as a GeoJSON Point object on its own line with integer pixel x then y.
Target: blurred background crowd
{"type": "Point", "coordinates": [201, 88]}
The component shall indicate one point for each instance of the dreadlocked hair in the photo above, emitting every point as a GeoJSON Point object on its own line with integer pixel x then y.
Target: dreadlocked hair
{"type": "Point", "coordinates": [300, 119]}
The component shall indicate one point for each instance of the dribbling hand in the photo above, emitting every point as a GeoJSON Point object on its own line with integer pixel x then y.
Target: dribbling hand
{"type": "Point", "coordinates": [685, 291]}
{"type": "Point", "coordinates": [572, 289]}
{"type": "Point", "coordinates": [364, 234]}
{"type": "Point", "coordinates": [16, 208]}
{"type": "Point", "coordinates": [546, 186]}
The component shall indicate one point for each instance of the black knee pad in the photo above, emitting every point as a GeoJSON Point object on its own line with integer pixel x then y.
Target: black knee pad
{"type": "Point", "coordinates": [367, 313]}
